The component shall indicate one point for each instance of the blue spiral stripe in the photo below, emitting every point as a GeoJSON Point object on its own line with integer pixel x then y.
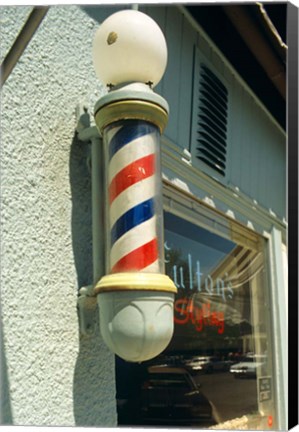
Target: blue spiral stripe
{"type": "Point", "coordinates": [127, 134]}
{"type": "Point", "coordinates": [133, 217]}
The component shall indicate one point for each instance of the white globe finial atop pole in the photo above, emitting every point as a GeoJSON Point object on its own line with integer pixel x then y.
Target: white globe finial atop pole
{"type": "Point", "coordinates": [129, 46]}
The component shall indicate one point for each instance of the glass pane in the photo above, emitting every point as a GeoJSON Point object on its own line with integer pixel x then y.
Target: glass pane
{"type": "Point", "coordinates": [222, 323]}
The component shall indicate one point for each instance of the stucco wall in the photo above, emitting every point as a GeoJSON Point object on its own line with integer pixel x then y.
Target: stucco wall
{"type": "Point", "coordinates": [50, 374]}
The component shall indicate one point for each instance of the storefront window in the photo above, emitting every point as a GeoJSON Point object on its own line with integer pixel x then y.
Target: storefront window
{"type": "Point", "coordinates": [217, 370]}
{"type": "Point", "coordinates": [222, 334]}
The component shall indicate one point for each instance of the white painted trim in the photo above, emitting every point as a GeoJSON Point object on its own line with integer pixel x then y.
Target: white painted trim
{"type": "Point", "coordinates": [279, 323]}
{"type": "Point", "coordinates": [186, 177]}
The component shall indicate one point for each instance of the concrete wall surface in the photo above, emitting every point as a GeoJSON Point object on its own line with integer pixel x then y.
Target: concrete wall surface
{"type": "Point", "coordinates": [51, 375]}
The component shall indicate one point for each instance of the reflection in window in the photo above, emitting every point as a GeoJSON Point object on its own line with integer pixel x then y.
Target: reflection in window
{"type": "Point", "coordinates": [168, 380]}
{"type": "Point", "coordinates": [221, 320]}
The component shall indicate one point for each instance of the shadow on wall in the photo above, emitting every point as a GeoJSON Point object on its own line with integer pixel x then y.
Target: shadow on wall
{"type": "Point", "coordinates": [5, 407]}
{"type": "Point", "coordinates": [93, 385]}
{"type": "Point", "coordinates": [80, 183]}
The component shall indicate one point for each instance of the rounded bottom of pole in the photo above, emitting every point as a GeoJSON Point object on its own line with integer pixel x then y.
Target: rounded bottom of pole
{"type": "Point", "coordinates": [136, 325]}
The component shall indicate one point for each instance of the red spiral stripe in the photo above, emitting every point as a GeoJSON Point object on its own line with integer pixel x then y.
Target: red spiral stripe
{"type": "Point", "coordinates": [131, 174]}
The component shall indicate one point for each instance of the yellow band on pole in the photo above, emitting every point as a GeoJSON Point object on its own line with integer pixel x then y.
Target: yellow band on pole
{"type": "Point", "coordinates": [135, 281]}
{"type": "Point", "coordinates": [131, 110]}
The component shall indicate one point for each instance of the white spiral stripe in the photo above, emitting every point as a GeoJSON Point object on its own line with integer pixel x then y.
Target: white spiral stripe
{"type": "Point", "coordinates": [136, 149]}
{"type": "Point", "coordinates": [152, 268]}
{"type": "Point", "coordinates": [129, 198]}
{"type": "Point", "coordinates": [133, 239]}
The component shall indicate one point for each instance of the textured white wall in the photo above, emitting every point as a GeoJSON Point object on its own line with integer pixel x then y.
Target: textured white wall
{"type": "Point", "coordinates": [50, 374]}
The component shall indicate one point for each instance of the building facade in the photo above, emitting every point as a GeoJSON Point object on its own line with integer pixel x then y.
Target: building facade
{"type": "Point", "coordinates": [224, 191]}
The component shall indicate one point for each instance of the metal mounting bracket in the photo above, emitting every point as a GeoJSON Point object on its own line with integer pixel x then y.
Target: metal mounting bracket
{"type": "Point", "coordinates": [87, 307]}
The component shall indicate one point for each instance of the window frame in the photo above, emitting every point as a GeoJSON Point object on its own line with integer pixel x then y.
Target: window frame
{"type": "Point", "coordinates": [190, 208]}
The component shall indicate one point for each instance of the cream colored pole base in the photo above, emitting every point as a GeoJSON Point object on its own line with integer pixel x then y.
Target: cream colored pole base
{"type": "Point", "coordinates": [135, 281]}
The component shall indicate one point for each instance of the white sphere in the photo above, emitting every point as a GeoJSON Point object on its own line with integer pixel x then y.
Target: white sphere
{"type": "Point", "coordinates": [136, 325]}
{"type": "Point", "coordinates": [129, 46]}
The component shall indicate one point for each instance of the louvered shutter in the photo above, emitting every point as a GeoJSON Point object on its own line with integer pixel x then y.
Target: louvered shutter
{"type": "Point", "coordinates": [210, 119]}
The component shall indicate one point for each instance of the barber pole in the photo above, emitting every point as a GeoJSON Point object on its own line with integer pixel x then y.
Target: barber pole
{"type": "Point", "coordinates": [135, 297]}
{"type": "Point", "coordinates": [133, 196]}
